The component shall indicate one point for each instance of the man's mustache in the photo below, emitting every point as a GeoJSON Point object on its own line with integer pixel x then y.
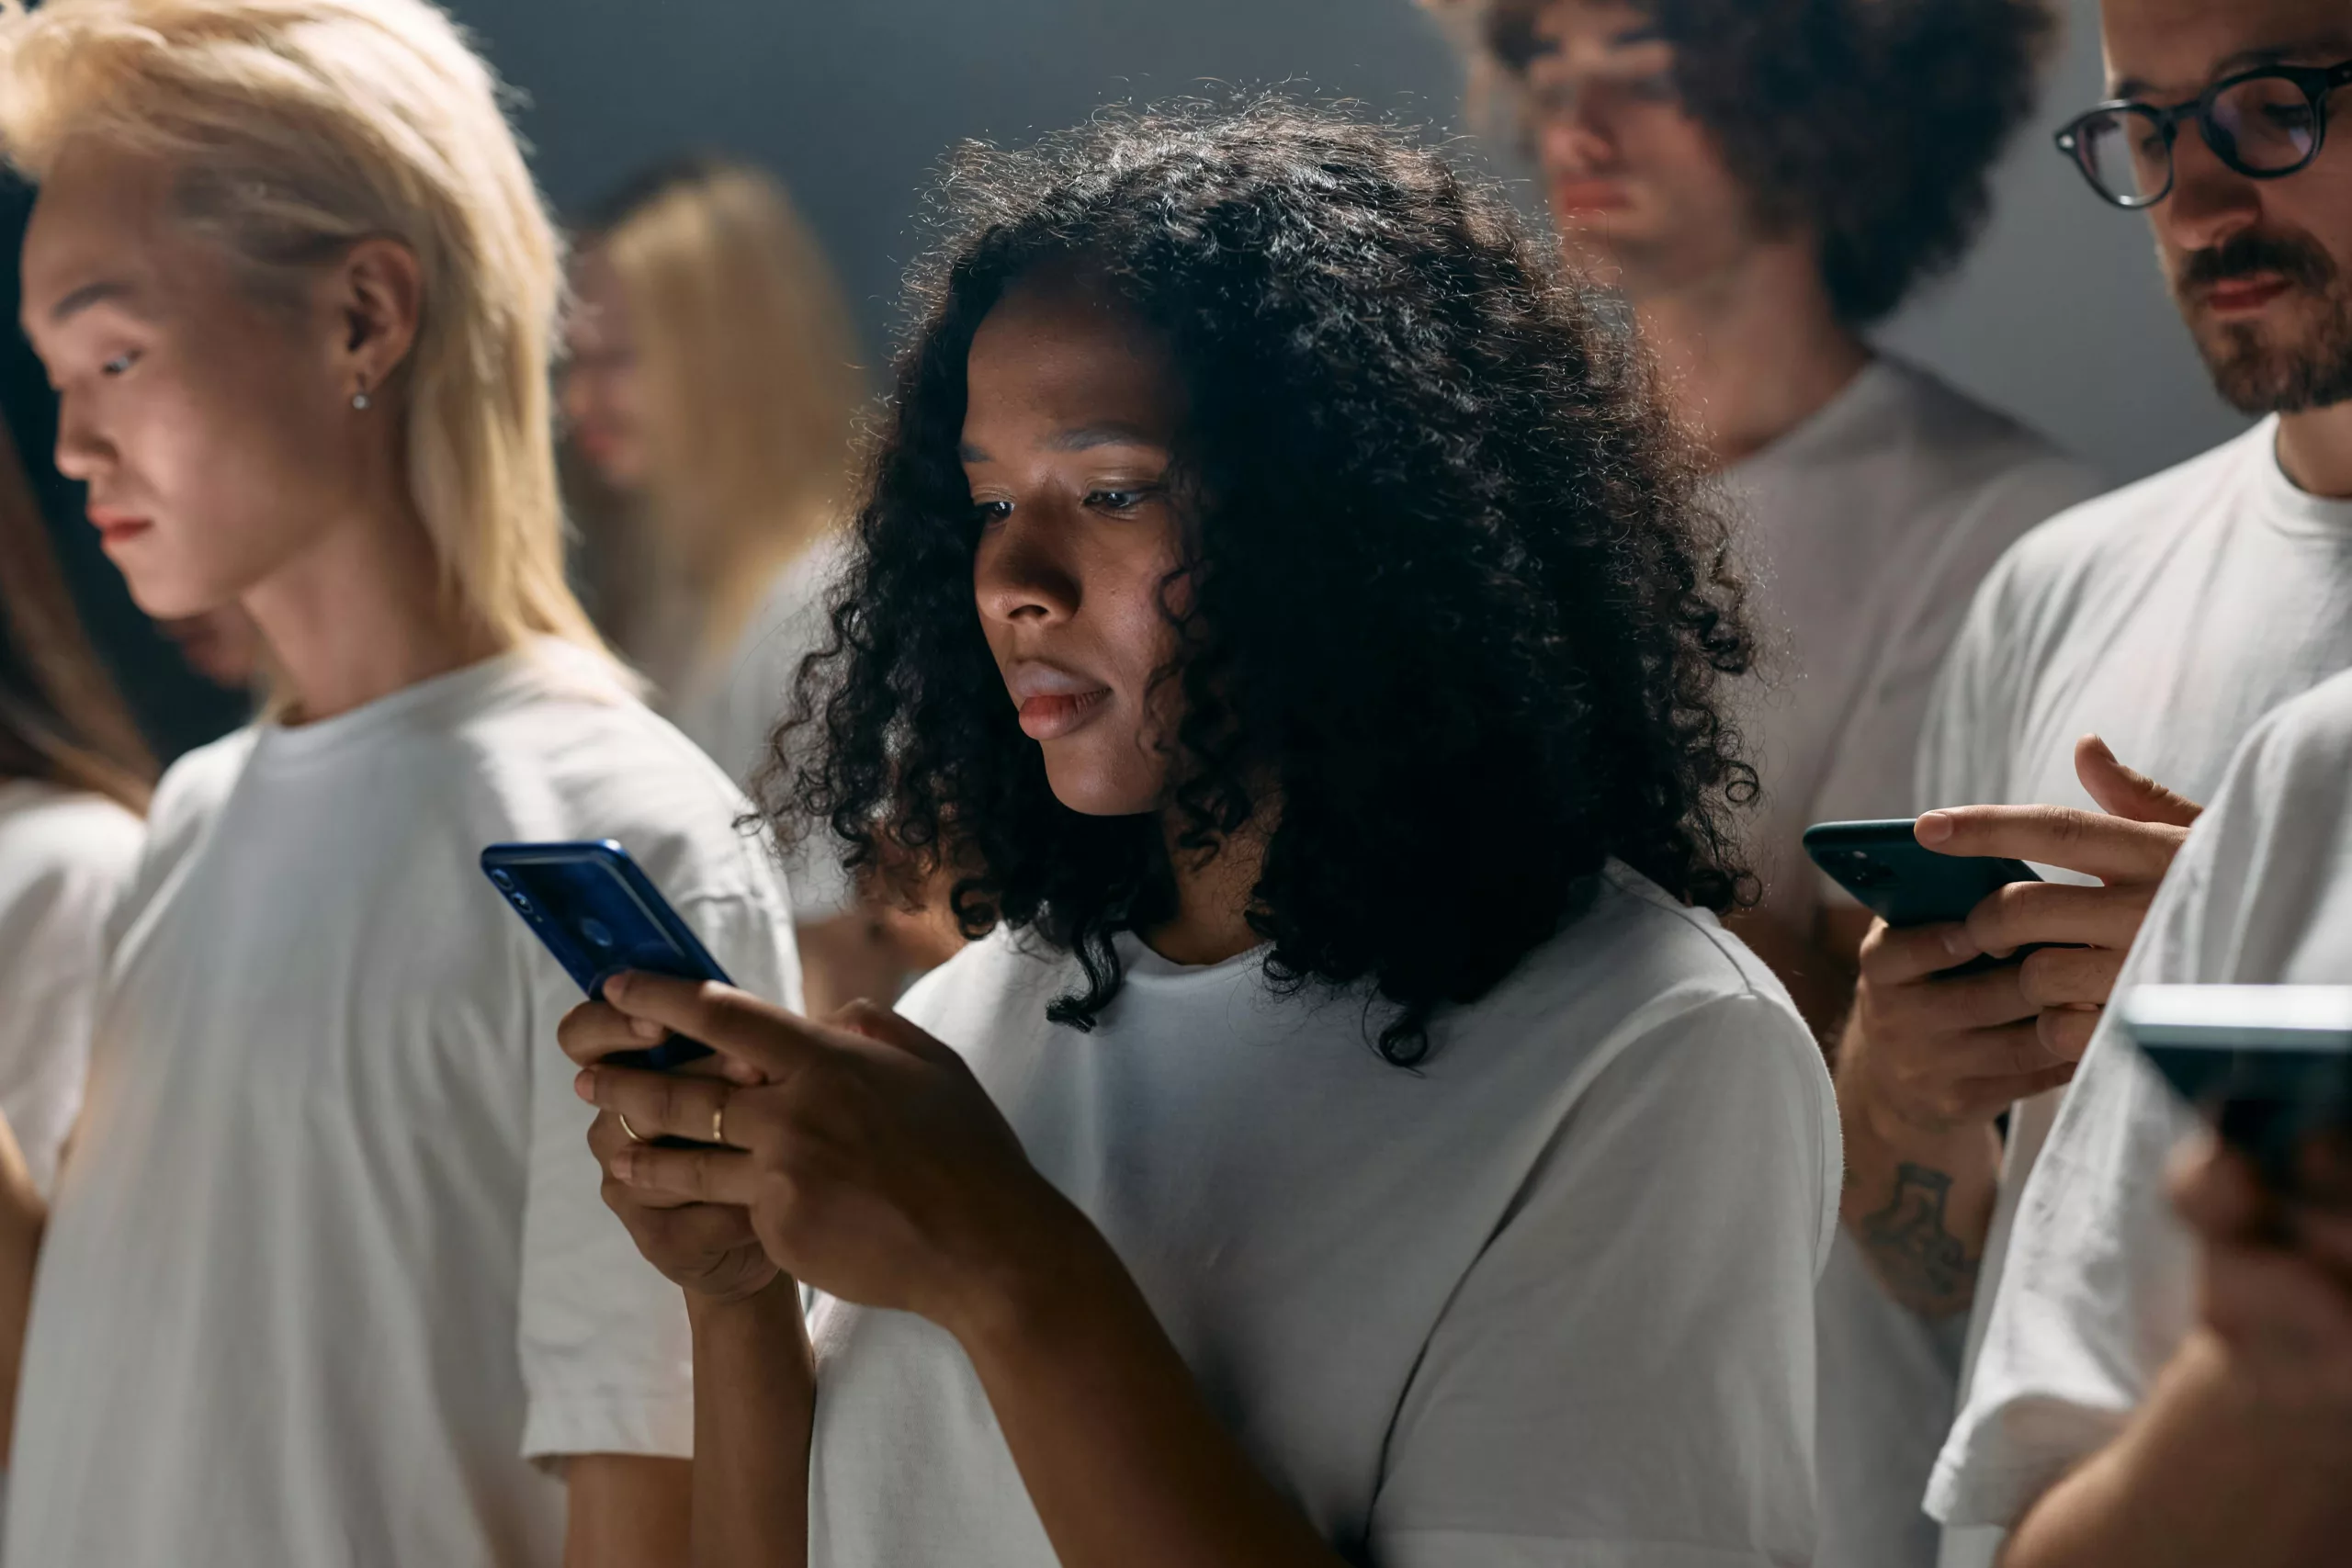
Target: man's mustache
{"type": "Point", "coordinates": [2298, 260]}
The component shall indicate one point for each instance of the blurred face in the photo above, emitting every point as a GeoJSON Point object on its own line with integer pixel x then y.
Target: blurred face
{"type": "Point", "coordinates": [2261, 269]}
{"type": "Point", "coordinates": [1072, 412]}
{"type": "Point", "coordinates": [1637, 187]}
{"type": "Point", "coordinates": [602, 391]}
{"type": "Point", "coordinates": [215, 434]}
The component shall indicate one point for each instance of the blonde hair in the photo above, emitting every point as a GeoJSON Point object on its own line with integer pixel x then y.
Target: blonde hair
{"type": "Point", "coordinates": [294, 129]}
{"type": "Point", "coordinates": [745, 346]}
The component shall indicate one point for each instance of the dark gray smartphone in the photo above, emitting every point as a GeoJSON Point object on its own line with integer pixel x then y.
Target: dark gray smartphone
{"type": "Point", "coordinates": [2269, 1065]}
{"type": "Point", "coordinates": [1901, 880]}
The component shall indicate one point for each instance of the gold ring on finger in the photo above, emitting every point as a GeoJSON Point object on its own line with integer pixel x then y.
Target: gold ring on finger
{"type": "Point", "coordinates": [718, 1123]}
{"type": "Point", "coordinates": [627, 1128]}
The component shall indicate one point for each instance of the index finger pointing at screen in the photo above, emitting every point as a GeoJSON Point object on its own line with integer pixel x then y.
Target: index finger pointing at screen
{"type": "Point", "coordinates": [771, 1039]}
{"type": "Point", "coordinates": [2109, 848]}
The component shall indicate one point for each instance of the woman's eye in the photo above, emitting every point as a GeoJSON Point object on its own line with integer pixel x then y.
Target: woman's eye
{"type": "Point", "coordinates": [1116, 500]}
{"type": "Point", "coordinates": [118, 364]}
{"type": "Point", "coordinates": [987, 511]}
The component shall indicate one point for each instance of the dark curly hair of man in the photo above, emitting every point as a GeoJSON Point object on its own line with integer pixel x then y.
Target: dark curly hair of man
{"type": "Point", "coordinates": [1873, 123]}
{"type": "Point", "coordinates": [1457, 617]}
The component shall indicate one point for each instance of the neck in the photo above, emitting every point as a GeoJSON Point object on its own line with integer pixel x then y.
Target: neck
{"type": "Point", "coordinates": [1751, 351]}
{"type": "Point", "coordinates": [362, 613]}
{"type": "Point", "coordinates": [2316, 450]}
{"type": "Point", "coordinates": [1212, 921]}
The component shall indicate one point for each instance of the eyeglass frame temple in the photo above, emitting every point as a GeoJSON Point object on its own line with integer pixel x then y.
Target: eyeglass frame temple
{"type": "Point", "coordinates": [2068, 137]}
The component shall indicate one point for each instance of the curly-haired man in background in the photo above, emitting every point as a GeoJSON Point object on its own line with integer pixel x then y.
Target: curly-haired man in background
{"type": "Point", "coordinates": [1764, 181]}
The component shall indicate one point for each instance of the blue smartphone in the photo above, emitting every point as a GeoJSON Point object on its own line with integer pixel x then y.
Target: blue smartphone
{"type": "Point", "coordinates": [2269, 1065]}
{"type": "Point", "coordinates": [600, 915]}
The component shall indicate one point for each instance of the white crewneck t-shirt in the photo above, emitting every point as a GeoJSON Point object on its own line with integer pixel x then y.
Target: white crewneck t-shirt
{"type": "Point", "coordinates": [2168, 617]}
{"type": "Point", "coordinates": [64, 857]}
{"type": "Point", "coordinates": [2099, 1285]}
{"type": "Point", "coordinates": [1866, 531]}
{"type": "Point", "coordinates": [1547, 1299]}
{"type": "Point", "coordinates": [328, 1269]}
{"type": "Point", "coordinates": [730, 707]}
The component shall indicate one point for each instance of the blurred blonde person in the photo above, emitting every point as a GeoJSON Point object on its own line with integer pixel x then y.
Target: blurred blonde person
{"type": "Point", "coordinates": [324, 1278]}
{"type": "Point", "coordinates": [712, 384]}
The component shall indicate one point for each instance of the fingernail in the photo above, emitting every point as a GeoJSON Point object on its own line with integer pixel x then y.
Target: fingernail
{"type": "Point", "coordinates": [646, 1029]}
{"type": "Point", "coordinates": [585, 1085]}
{"type": "Point", "coordinates": [1958, 943]}
{"type": "Point", "coordinates": [1932, 828]}
{"type": "Point", "coordinates": [616, 988]}
{"type": "Point", "coordinates": [625, 1166]}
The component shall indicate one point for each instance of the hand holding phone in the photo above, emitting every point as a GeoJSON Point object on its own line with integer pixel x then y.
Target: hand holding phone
{"type": "Point", "coordinates": [2270, 1067]}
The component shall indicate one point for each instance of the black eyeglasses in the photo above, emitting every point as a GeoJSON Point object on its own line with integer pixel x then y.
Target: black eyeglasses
{"type": "Point", "coordinates": [2263, 123]}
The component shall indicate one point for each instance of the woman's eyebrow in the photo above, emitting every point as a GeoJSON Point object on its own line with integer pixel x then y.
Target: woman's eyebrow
{"type": "Point", "coordinates": [1085, 437]}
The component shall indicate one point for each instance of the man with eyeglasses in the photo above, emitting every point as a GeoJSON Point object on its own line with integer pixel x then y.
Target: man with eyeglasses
{"type": "Point", "coordinates": [2096, 1425]}
{"type": "Point", "coordinates": [1764, 181]}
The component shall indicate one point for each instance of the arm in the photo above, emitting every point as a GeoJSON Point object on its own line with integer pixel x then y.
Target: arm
{"type": "Point", "coordinates": [2241, 1451]}
{"type": "Point", "coordinates": [625, 1511]}
{"type": "Point", "coordinates": [23, 1215]}
{"type": "Point", "coordinates": [755, 1402]}
{"type": "Point", "coordinates": [873, 1165]}
{"type": "Point", "coordinates": [1928, 1059]}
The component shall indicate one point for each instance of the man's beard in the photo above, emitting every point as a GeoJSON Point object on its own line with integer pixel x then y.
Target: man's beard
{"type": "Point", "coordinates": [2255, 374]}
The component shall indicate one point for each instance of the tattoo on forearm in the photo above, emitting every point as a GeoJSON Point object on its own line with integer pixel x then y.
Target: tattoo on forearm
{"type": "Point", "coordinates": [1924, 1265]}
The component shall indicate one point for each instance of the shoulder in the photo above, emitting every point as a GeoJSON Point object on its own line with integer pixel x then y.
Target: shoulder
{"type": "Point", "coordinates": [49, 833]}
{"type": "Point", "coordinates": [2099, 532]}
{"type": "Point", "coordinates": [566, 751]}
{"type": "Point", "coordinates": [1638, 966]}
{"type": "Point", "coordinates": [2312, 729]}
{"type": "Point", "coordinates": [984, 981]}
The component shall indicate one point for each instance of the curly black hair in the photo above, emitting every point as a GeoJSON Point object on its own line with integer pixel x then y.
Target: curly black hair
{"type": "Point", "coordinates": [1457, 604]}
{"type": "Point", "coordinates": [1873, 123]}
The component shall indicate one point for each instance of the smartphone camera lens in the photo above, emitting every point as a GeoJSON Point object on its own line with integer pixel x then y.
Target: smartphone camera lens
{"type": "Point", "coordinates": [521, 903]}
{"type": "Point", "coordinates": [502, 880]}
{"type": "Point", "coordinates": [596, 932]}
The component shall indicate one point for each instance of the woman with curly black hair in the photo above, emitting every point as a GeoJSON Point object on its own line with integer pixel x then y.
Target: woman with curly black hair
{"type": "Point", "coordinates": [1288, 610]}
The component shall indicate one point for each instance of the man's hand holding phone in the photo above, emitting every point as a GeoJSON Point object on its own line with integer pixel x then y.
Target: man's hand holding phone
{"type": "Point", "coordinates": [1928, 1058]}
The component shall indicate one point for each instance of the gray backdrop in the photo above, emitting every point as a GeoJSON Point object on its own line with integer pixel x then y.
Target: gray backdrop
{"type": "Point", "coordinates": [2059, 316]}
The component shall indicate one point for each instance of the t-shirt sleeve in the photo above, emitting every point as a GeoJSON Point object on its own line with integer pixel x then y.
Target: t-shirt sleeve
{"type": "Point", "coordinates": [1625, 1378]}
{"type": "Point", "coordinates": [605, 1356]}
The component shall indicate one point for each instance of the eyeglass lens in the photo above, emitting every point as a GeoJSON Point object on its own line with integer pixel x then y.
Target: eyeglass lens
{"type": "Point", "coordinates": [2262, 124]}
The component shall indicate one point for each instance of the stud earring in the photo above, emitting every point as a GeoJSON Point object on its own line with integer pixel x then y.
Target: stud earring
{"type": "Point", "coordinates": [359, 398]}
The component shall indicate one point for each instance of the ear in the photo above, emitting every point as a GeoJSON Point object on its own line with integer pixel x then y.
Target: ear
{"type": "Point", "coordinates": [378, 294]}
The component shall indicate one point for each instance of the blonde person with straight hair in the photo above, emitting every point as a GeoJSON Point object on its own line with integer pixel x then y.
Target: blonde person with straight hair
{"type": "Point", "coordinates": [711, 386]}
{"type": "Point", "coordinates": [324, 1278]}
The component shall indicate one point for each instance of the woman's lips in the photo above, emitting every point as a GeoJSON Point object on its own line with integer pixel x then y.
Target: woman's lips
{"type": "Point", "coordinates": [114, 527]}
{"type": "Point", "coordinates": [1588, 196]}
{"type": "Point", "coordinates": [1052, 715]}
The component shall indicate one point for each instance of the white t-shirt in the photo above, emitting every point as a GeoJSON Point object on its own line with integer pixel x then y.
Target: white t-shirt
{"type": "Point", "coordinates": [730, 706]}
{"type": "Point", "coordinates": [1866, 531]}
{"type": "Point", "coordinates": [1547, 1299]}
{"type": "Point", "coordinates": [64, 857]}
{"type": "Point", "coordinates": [2167, 618]}
{"type": "Point", "coordinates": [2098, 1290]}
{"type": "Point", "coordinates": [328, 1268]}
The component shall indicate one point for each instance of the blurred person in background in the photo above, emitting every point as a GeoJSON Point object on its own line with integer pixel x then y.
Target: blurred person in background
{"type": "Point", "coordinates": [712, 384]}
{"type": "Point", "coordinates": [74, 777]}
{"type": "Point", "coordinates": [1357, 1141]}
{"type": "Point", "coordinates": [1765, 181]}
{"type": "Point", "coordinates": [322, 1276]}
